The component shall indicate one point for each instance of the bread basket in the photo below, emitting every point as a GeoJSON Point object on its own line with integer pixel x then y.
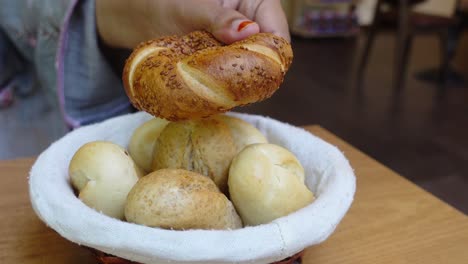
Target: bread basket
{"type": "Point", "coordinates": [104, 258]}
{"type": "Point", "coordinates": [328, 175]}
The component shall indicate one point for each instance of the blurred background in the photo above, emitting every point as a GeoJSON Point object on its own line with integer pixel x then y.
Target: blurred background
{"type": "Point", "coordinates": [388, 76]}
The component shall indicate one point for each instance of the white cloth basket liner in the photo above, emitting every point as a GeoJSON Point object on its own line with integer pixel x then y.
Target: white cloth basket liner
{"type": "Point", "coordinates": [328, 175]}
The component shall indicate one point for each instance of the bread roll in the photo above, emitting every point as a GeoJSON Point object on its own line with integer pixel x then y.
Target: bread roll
{"type": "Point", "coordinates": [242, 132]}
{"type": "Point", "coordinates": [204, 146]}
{"type": "Point", "coordinates": [266, 181]}
{"type": "Point", "coordinates": [141, 144]}
{"type": "Point", "coordinates": [103, 173]}
{"type": "Point", "coordinates": [194, 76]}
{"type": "Point", "coordinates": [180, 199]}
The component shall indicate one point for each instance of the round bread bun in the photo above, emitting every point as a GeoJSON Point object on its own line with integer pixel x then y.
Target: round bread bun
{"type": "Point", "coordinates": [195, 76]}
{"type": "Point", "coordinates": [266, 182]}
{"type": "Point", "coordinates": [103, 173]}
{"type": "Point", "coordinates": [141, 144]}
{"type": "Point", "coordinates": [204, 146]}
{"type": "Point", "coordinates": [242, 132]}
{"type": "Point", "coordinates": [180, 199]}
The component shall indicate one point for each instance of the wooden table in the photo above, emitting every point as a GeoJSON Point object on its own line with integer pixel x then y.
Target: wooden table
{"type": "Point", "coordinates": [390, 221]}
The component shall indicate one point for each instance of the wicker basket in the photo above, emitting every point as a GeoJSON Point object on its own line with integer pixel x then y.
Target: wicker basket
{"type": "Point", "coordinates": [104, 258]}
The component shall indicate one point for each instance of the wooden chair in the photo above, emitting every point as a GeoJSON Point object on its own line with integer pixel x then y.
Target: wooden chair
{"type": "Point", "coordinates": [408, 23]}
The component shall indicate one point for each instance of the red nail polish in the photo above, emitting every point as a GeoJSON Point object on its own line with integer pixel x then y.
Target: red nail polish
{"type": "Point", "coordinates": [244, 24]}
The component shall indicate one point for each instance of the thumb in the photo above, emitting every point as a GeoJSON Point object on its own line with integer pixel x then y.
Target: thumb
{"type": "Point", "coordinates": [226, 24]}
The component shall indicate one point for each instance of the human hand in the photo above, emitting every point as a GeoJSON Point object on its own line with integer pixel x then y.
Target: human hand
{"type": "Point", "coordinates": [124, 24]}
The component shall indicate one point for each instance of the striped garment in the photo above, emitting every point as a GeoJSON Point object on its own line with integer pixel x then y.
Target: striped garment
{"type": "Point", "coordinates": [55, 44]}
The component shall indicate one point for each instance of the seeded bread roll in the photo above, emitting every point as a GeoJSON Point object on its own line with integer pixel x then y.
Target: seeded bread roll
{"type": "Point", "coordinates": [180, 199]}
{"type": "Point", "coordinates": [193, 76]}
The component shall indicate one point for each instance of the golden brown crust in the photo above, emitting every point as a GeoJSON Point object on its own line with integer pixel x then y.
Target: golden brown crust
{"type": "Point", "coordinates": [204, 146]}
{"type": "Point", "coordinates": [180, 199]}
{"type": "Point", "coordinates": [194, 76]}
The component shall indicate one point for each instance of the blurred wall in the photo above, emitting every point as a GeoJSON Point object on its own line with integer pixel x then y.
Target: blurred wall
{"type": "Point", "coordinates": [365, 8]}
{"type": "Point", "coordinates": [433, 7]}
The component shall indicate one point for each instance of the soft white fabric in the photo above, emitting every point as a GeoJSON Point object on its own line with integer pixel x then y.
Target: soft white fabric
{"type": "Point", "coordinates": [328, 175]}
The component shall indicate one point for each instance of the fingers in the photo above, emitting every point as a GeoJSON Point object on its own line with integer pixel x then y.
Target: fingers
{"type": "Point", "coordinates": [271, 18]}
{"type": "Point", "coordinates": [230, 25]}
{"type": "Point", "coordinates": [234, 29]}
{"type": "Point", "coordinates": [226, 24]}
{"type": "Point", "coordinates": [228, 20]}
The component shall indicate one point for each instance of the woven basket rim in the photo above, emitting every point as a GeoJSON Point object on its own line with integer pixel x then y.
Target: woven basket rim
{"type": "Point", "coordinates": [104, 258]}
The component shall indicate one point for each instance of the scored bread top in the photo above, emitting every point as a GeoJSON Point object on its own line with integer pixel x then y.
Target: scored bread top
{"type": "Point", "coordinates": [194, 76]}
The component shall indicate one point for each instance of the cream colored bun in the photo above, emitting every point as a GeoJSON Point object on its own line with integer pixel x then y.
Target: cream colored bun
{"type": "Point", "coordinates": [103, 173]}
{"type": "Point", "coordinates": [141, 144]}
{"type": "Point", "coordinates": [204, 146]}
{"type": "Point", "coordinates": [194, 76]}
{"type": "Point", "coordinates": [242, 132]}
{"type": "Point", "coordinates": [266, 182]}
{"type": "Point", "coordinates": [180, 199]}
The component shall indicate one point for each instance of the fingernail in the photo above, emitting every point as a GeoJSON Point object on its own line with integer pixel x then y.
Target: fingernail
{"type": "Point", "coordinates": [244, 24]}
